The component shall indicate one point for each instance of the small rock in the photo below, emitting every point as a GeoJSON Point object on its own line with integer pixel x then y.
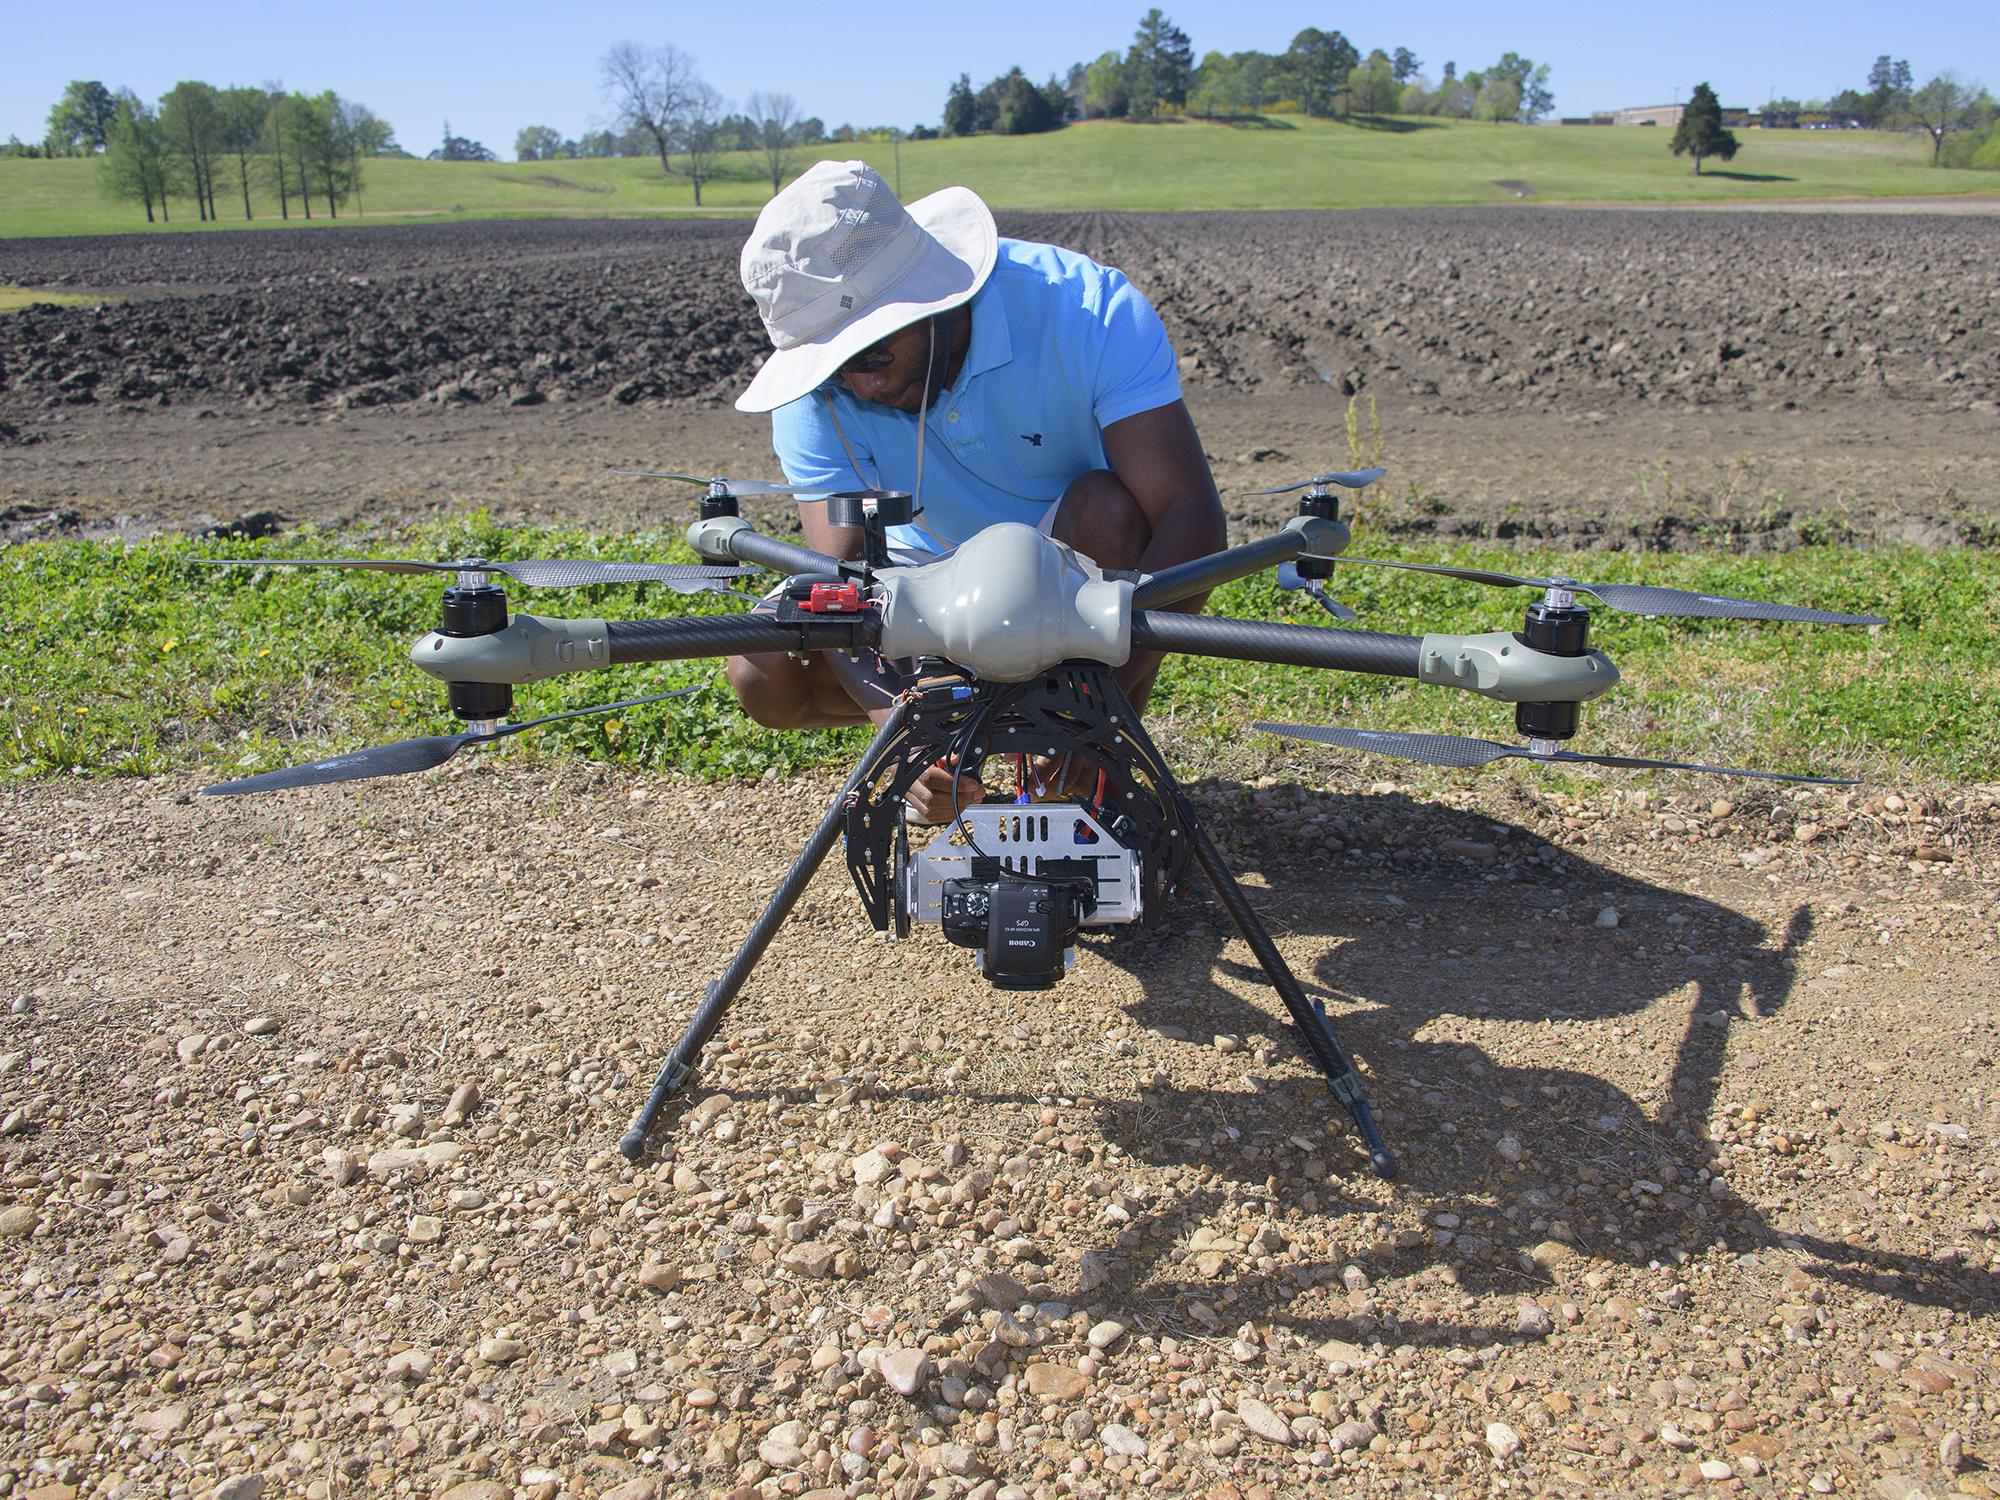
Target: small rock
{"type": "Point", "coordinates": [1673, 1437]}
{"type": "Point", "coordinates": [188, 1048]}
{"type": "Point", "coordinates": [871, 1167]}
{"type": "Point", "coordinates": [1122, 1440]}
{"type": "Point", "coordinates": [1000, 1292]}
{"type": "Point", "coordinates": [500, 1351]}
{"type": "Point", "coordinates": [238, 1487]}
{"type": "Point", "coordinates": [1608, 917]}
{"type": "Point", "coordinates": [780, 1455]}
{"type": "Point", "coordinates": [1052, 1382]}
{"type": "Point", "coordinates": [1012, 1332]}
{"type": "Point", "coordinates": [905, 1370]}
{"type": "Point", "coordinates": [164, 1422]}
{"type": "Point", "coordinates": [1547, 1255]}
{"type": "Point", "coordinates": [406, 1120]}
{"type": "Point", "coordinates": [811, 1258]}
{"type": "Point", "coordinates": [18, 1222]}
{"type": "Point", "coordinates": [1263, 1421]}
{"type": "Point", "coordinates": [1353, 1433]}
{"type": "Point", "coordinates": [1533, 1321]}
{"type": "Point", "coordinates": [658, 1278]}
{"type": "Point", "coordinates": [1093, 1270]}
{"type": "Point", "coordinates": [1228, 1042]}
{"type": "Point", "coordinates": [425, 1229]}
{"type": "Point", "coordinates": [1104, 1335]}
{"type": "Point", "coordinates": [1342, 1356]}
{"type": "Point", "coordinates": [1951, 1453]}
{"type": "Point", "coordinates": [402, 1158]}
{"type": "Point", "coordinates": [1502, 1441]}
{"type": "Point", "coordinates": [1508, 1149]}
{"type": "Point", "coordinates": [341, 1166]}
{"type": "Point", "coordinates": [621, 1362]}
{"type": "Point", "coordinates": [1471, 849]}
{"type": "Point", "coordinates": [260, 1026]}
{"type": "Point", "coordinates": [411, 1364]}
{"type": "Point", "coordinates": [462, 1105]}
{"type": "Point", "coordinates": [1716, 1469]}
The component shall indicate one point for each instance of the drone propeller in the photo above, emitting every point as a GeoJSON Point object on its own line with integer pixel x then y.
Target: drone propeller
{"type": "Point", "coordinates": [1641, 598]}
{"type": "Point", "coordinates": [682, 578]}
{"type": "Point", "coordinates": [1289, 579]}
{"type": "Point", "coordinates": [1352, 479]}
{"type": "Point", "coordinates": [401, 757]}
{"type": "Point", "coordinates": [1464, 753]}
{"type": "Point", "coordinates": [717, 483]}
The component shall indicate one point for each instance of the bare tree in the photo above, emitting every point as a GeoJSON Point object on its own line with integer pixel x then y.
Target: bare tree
{"type": "Point", "coordinates": [775, 118]}
{"type": "Point", "coordinates": [1945, 104]}
{"type": "Point", "coordinates": [649, 90]}
{"type": "Point", "coordinates": [701, 134]}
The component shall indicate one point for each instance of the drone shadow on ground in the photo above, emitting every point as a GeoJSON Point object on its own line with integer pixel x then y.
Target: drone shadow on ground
{"type": "Point", "coordinates": [1617, 1177]}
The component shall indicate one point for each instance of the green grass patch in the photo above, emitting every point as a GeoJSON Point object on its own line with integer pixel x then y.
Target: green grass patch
{"type": "Point", "coordinates": [137, 660]}
{"type": "Point", "coordinates": [1188, 164]}
{"type": "Point", "coordinates": [14, 298]}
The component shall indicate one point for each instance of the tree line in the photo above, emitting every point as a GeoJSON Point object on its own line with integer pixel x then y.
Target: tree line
{"type": "Point", "coordinates": [217, 145]}
{"type": "Point", "coordinates": [739, 131]}
{"type": "Point", "coordinates": [1961, 119]}
{"type": "Point", "coordinates": [1320, 74]}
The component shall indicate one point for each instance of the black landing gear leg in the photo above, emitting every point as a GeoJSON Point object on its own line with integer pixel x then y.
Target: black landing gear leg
{"type": "Point", "coordinates": [680, 1062]}
{"type": "Point", "coordinates": [1307, 1014]}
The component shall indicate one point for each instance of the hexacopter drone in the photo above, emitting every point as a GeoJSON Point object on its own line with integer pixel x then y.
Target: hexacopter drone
{"type": "Point", "coordinates": [1015, 638]}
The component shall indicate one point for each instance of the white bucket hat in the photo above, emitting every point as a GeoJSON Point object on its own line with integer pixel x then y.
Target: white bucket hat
{"type": "Point", "coordinates": [836, 263]}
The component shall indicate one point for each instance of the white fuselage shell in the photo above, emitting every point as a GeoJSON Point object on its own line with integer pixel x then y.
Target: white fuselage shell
{"type": "Point", "coordinates": [1009, 603]}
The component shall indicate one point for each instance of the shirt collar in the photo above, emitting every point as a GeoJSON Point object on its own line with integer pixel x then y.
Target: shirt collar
{"type": "Point", "coordinates": [990, 347]}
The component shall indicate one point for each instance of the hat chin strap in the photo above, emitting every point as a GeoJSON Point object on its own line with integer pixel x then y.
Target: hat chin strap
{"type": "Point", "coordinates": [924, 415]}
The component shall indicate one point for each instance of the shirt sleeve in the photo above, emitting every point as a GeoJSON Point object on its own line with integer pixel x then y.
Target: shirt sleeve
{"type": "Point", "coordinates": [809, 448]}
{"type": "Point", "coordinates": [1135, 370]}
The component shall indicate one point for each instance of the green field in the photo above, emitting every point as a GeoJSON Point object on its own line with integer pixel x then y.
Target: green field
{"type": "Point", "coordinates": [14, 298]}
{"type": "Point", "coordinates": [1284, 162]}
{"type": "Point", "coordinates": [136, 661]}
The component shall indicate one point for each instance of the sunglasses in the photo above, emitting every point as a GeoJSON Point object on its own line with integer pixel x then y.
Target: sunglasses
{"type": "Point", "coordinates": [874, 357]}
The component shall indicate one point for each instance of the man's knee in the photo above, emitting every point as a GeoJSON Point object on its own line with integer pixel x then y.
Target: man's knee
{"type": "Point", "coordinates": [1098, 516]}
{"type": "Point", "coordinates": [761, 685]}
{"type": "Point", "coordinates": [780, 691]}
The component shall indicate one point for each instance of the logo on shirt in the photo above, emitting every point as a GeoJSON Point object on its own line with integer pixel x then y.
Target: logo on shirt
{"type": "Point", "coordinates": [1032, 439]}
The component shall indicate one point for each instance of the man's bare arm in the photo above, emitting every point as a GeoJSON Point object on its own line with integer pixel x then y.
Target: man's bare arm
{"type": "Point", "coordinates": [822, 536]}
{"type": "Point", "coordinates": [1157, 455]}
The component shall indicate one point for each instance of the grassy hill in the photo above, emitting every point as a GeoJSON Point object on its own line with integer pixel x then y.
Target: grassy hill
{"type": "Point", "coordinates": [1280, 162]}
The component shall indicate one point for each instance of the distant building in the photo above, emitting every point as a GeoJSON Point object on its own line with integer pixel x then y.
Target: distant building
{"type": "Point", "coordinates": [1651, 114]}
{"type": "Point", "coordinates": [1734, 119]}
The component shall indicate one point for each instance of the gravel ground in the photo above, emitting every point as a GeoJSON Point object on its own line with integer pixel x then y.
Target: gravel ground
{"type": "Point", "coordinates": [307, 1180]}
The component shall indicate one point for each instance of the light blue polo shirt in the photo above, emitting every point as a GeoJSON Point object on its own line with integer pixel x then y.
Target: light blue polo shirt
{"type": "Point", "coordinates": [1061, 348]}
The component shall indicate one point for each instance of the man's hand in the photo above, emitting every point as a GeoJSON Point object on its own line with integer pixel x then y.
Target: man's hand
{"type": "Point", "coordinates": [1061, 778]}
{"type": "Point", "coordinates": [930, 794]}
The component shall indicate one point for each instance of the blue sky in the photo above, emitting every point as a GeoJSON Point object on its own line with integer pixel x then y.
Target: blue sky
{"type": "Point", "coordinates": [496, 67]}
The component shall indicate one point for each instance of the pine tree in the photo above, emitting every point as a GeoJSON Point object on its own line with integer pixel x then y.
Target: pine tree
{"type": "Point", "coordinates": [1700, 131]}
